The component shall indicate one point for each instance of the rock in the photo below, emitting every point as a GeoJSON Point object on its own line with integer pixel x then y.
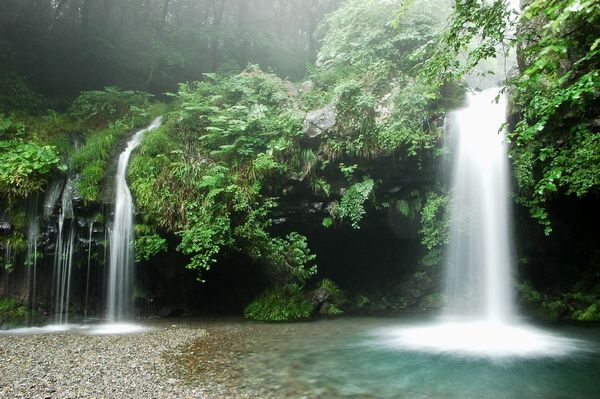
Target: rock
{"type": "Point", "coordinates": [385, 107]}
{"type": "Point", "coordinates": [319, 298]}
{"type": "Point", "coordinates": [291, 88]}
{"type": "Point", "coordinates": [316, 207]}
{"type": "Point", "coordinates": [5, 226]}
{"type": "Point", "coordinates": [307, 86]}
{"type": "Point", "coordinates": [320, 120]}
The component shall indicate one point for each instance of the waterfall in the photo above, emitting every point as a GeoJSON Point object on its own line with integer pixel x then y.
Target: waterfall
{"type": "Point", "coordinates": [479, 319]}
{"type": "Point", "coordinates": [479, 264]}
{"type": "Point", "coordinates": [63, 256]}
{"type": "Point", "coordinates": [33, 233]}
{"type": "Point", "coordinates": [121, 257]}
{"type": "Point", "coordinates": [87, 277]}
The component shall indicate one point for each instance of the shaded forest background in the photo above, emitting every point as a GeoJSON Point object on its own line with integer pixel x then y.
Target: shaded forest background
{"type": "Point", "coordinates": [64, 46]}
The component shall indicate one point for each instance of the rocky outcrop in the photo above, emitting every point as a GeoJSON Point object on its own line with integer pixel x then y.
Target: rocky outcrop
{"type": "Point", "coordinates": [320, 120]}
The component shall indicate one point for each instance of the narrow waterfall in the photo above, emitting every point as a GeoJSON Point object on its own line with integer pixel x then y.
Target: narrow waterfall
{"type": "Point", "coordinates": [64, 255]}
{"type": "Point", "coordinates": [478, 263]}
{"type": "Point", "coordinates": [121, 258]}
{"type": "Point", "coordinates": [87, 276]}
{"type": "Point", "coordinates": [33, 233]}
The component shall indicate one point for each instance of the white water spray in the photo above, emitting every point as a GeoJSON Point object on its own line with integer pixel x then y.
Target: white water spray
{"type": "Point", "coordinates": [121, 258]}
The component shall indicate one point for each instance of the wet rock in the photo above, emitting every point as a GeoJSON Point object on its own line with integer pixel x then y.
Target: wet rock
{"type": "Point", "coordinates": [5, 226]}
{"type": "Point", "coordinates": [320, 120]}
{"type": "Point", "coordinates": [307, 86]}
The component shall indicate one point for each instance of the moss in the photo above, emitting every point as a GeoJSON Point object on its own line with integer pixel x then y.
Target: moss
{"type": "Point", "coordinates": [12, 312]}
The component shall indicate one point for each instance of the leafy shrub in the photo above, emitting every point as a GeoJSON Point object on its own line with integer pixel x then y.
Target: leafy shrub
{"type": "Point", "coordinates": [17, 96]}
{"type": "Point", "coordinates": [591, 313]}
{"type": "Point", "coordinates": [353, 200]}
{"type": "Point", "coordinates": [280, 304]}
{"type": "Point", "coordinates": [147, 242]}
{"type": "Point", "coordinates": [24, 166]}
{"type": "Point", "coordinates": [434, 221]}
{"type": "Point", "coordinates": [290, 259]}
{"type": "Point", "coordinates": [336, 295]}
{"type": "Point", "coordinates": [99, 107]}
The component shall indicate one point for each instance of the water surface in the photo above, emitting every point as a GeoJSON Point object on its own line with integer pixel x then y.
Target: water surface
{"type": "Point", "coordinates": [349, 358]}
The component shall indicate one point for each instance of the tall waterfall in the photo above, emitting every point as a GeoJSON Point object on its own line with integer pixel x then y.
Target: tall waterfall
{"type": "Point", "coordinates": [479, 319]}
{"type": "Point", "coordinates": [121, 258]}
{"type": "Point", "coordinates": [478, 262]}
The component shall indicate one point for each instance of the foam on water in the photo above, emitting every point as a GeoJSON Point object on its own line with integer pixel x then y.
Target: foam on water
{"type": "Point", "coordinates": [117, 328]}
{"type": "Point", "coordinates": [89, 329]}
{"type": "Point", "coordinates": [479, 339]}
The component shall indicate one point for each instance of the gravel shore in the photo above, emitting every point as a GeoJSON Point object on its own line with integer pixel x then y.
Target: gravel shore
{"type": "Point", "coordinates": [75, 365]}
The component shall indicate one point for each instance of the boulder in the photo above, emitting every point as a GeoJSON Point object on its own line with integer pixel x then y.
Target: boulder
{"type": "Point", "coordinates": [320, 120]}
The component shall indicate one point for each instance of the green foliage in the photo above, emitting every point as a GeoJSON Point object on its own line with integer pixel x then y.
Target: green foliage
{"type": "Point", "coordinates": [403, 207]}
{"type": "Point", "coordinates": [581, 302]}
{"type": "Point", "coordinates": [12, 312]}
{"type": "Point", "coordinates": [17, 97]}
{"type": "Point", "coordinates": [591, 313]}
{"type": "Point", "coordinates": [556, 144]}
{"type": "Point", "coordinates": [336, 296]}
{"type": "Point", "coordinates": [111, 114]}
{"type": "Point", "coordinates": [290, 259]}
{"type": "Point", "coordinates": [147, 242]}
{"type": "Point", "coordinates": [92, 158]}
{"type": "Point", "coordinates": [477, 30]}
{"type": "Point", "coordinates": [365, 65]}
{"type": "Point", "coordinates": [528, 294]}
{"type": "Point", "coordinates": [434, 221]}
{"type": "Point", "coordinates": [353, 200]}
{"type": "Point", "coordinates": [97, 108]}
{"type": "Point", "coordinates": [202, 175]}
{"type": "Point", "coordinates": [432, 301]}
{"type": "Point", "coordinates": [280, 304]}
{"type": "Point", "coordinates": [24, 166]}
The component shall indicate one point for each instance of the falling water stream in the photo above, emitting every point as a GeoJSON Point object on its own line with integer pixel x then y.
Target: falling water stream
{"type": "Point", "coordinates": [480, 317]}
{"type": "Point", "coordinates": [87, 276]}
{"type": "Point", "coordinates": [63, 256]}
{"type": "Point", "coordinates": [121, 256]}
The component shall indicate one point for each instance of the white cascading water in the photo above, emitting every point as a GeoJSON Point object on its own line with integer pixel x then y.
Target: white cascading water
{"type": "Point", "coordinates": [480, 317]}
{"type": "Point", "coordinates": [63, 256]}
{"type": "Point", "coordinates": [478, 263]}
{"type": "Point", "coordinates": [121, 258]}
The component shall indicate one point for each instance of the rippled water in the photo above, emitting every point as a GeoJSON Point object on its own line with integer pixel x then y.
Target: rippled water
{"type": "Point", "coordinates": [352, 358]}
